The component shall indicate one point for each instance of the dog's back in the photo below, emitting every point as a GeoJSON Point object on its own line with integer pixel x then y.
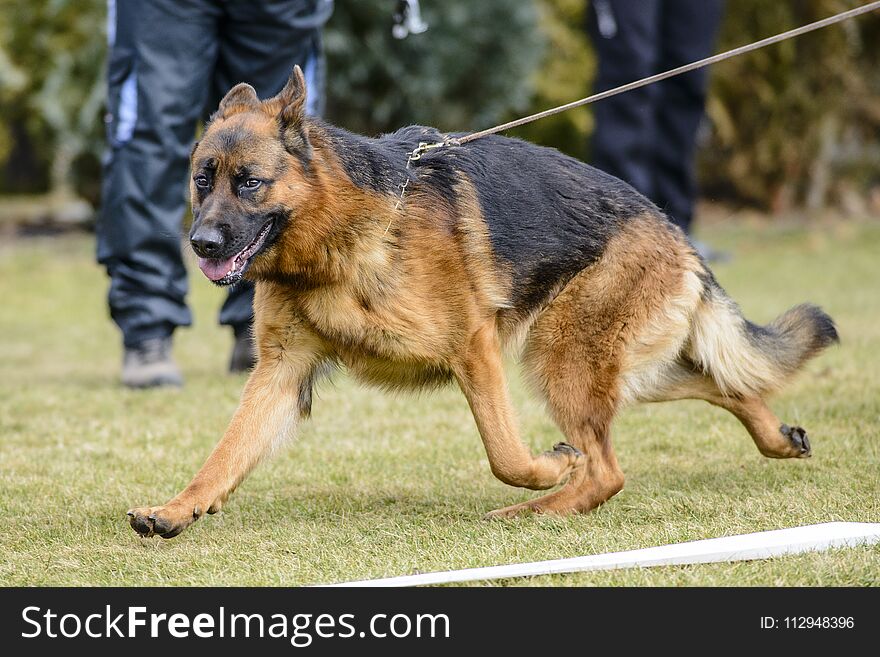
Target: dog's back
{"type": "Point", "coordinates": [548, 215]}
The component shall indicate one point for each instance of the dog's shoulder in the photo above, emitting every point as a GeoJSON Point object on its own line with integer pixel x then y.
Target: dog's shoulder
{"type": "Point", "coordinates": [378, 164]}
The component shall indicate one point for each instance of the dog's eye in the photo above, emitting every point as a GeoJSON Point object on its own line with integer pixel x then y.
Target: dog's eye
{"type": "Point", "coordinates": [252, 183]}
{"type": "Point", "coordinates": [201, 181]}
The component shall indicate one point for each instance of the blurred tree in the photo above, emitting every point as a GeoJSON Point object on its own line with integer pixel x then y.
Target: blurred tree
{"type": "Point", "coordinates": [792, 121]}
{"type": "Point", "coordinates": [51, 89]}
{"type": "Point", "coordinates": [565, 74]}
{"type": "Point", "coordinates": [797, 123]}
{"type": "Point", "coordinates": [794, 124]}
{"type": "Point", "coordinates": [472, 68]}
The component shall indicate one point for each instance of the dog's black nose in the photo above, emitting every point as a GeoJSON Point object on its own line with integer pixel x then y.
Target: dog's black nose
{"type": "Point", "coordinates": [207, 242]}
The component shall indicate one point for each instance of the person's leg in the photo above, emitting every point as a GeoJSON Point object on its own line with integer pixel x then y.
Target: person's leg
{"type": "Point", "coordinates": [626, 37]}
{"type": "Point", "coordinates": [161, 57]}
{"type": "Point", "coordinates": [260, 43]}
{"type": "Point", "coordinates": [688, 32]}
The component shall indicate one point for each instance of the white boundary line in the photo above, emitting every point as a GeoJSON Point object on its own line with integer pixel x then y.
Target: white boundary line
{"type": "Point", "coordinates": [744, 547]}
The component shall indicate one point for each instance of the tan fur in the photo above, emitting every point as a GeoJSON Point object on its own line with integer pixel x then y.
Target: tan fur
{"type": "Point", "coordinates": [396, 296]}
{"type": "Point", "coordinates": [718, 346]}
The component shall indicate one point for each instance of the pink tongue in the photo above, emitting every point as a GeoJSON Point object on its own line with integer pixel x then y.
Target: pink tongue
{"type": "Point", "coordinates": [215, 269]}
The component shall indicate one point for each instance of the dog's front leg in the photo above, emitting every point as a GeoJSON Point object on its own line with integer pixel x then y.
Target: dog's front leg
{"type": "Point", "coordinates": [481, 377]}
{"type": "Point", "coordinates": [270, 406]}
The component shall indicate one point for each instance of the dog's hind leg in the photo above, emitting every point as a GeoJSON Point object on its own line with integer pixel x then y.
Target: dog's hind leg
{"type": "Point", "coordinates": [576, 371]}
{"type": "Point", "coordinates": [593, 482]}
{"type": "Point", "coordinates": [735, 364]}
{"type": "Point", "coordinates": [481, 377]}
{"type": "Point", "coordinates": [597, 343]}
{"type": "Point", "coordinates": [773, 438]}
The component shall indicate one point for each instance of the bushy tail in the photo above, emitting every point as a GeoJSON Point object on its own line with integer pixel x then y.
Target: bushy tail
{"type": "Point", "coordinates": [746, 359]}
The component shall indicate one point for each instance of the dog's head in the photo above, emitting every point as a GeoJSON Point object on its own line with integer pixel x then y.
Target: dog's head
{"type": "Point", "coordinates": [249, 175]}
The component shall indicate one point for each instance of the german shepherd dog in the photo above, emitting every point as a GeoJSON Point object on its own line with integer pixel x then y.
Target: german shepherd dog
{"type": "Point", "coordinates": [497, 245]}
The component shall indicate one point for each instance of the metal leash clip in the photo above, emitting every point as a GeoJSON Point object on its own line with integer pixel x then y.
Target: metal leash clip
{"type": "Point", "coordinates": [414, 156]}
{"type": "Point", "coordinates": [423, 148]}
{"type": "Point", "coordinates": [408, 19]}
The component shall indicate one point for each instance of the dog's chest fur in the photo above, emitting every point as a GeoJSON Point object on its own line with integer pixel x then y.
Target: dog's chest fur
{"type": "Point", "coordinates": [383, 341]}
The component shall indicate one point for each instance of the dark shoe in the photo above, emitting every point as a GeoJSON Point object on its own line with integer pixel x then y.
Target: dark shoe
{"type": "Point", "coordinates": [244, 356]}
{"type": "Point", "coordinates": [148, 364]}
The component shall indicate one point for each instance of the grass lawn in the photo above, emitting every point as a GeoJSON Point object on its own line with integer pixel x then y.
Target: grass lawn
{"type": "Point", "coordinates": [377, 485]}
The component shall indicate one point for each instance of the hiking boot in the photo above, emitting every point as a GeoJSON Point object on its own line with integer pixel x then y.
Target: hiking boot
{"type": "Point", "coordinates": [244, 356]}
{"type": "Point", "coordinates": [148, 364]}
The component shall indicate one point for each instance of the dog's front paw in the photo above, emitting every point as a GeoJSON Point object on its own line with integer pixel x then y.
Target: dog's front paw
{"type": "Point", "coordinates": [165, 521]}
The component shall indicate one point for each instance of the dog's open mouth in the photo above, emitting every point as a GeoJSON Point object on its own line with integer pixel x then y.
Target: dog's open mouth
{"type": "Point", "coordinates": [228, 271]}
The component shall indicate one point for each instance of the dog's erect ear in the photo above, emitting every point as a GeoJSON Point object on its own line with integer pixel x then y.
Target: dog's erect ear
{"type": "Point", "coordinates": [291, 108]}
{"type": "Point", "coordinates": [241, 98]}
{"type": "Point", "coordinates": [292, 99]}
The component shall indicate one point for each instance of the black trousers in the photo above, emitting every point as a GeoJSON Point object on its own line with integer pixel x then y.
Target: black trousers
{"type": "Point", "coordinates": [647, 137]}
{"type": "Point", "coordinates": [170, 63]}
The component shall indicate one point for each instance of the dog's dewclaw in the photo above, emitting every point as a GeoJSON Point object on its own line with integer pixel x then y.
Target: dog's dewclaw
{"type": "Point", "coordinates": [565, 447]}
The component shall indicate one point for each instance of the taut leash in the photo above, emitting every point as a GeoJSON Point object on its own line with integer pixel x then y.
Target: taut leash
{"type": "Point", "coordinates": [424, 147]}
{"type": "Point", "coordinates": [714, 59]}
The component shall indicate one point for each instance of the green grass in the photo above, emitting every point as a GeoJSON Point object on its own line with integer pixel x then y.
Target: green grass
{"type": "Point", "coordinates": [385, 485]}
